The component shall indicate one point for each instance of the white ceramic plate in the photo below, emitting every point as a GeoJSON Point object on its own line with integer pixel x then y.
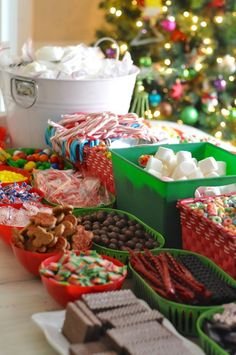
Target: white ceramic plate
{"type": "Point", "coordinates": [51, 324]}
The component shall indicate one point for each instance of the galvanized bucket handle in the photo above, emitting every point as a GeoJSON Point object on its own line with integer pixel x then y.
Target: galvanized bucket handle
{"type": "Point", "coordinates": [103, 39]}
{"type": "Point", "coordinates": [24, 88]}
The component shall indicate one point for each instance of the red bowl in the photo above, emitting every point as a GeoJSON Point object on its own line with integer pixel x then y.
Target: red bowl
{"type": "Point", "coordinates": [69, 293]}
{"type": "Point", "coordinates": [31, 261]}
{"type": "Point", "coordinates": [18, 171]}
{"type": "Point", "coordinates": [6, 233]}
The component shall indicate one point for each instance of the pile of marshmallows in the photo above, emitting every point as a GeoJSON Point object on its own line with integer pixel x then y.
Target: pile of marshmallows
{"type": "Point", "coordinates": [168, 166]}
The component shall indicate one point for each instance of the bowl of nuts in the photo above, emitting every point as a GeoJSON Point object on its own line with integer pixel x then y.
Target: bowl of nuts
{"type": "Point", "coordinates": [115, 232]}
{"type": "Point", "coordinates": [48, 234]}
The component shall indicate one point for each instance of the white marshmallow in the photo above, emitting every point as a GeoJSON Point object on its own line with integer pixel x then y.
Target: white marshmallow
{"type": "Point", "coordinates": [208, 165]}
{"type": "Point", "coordinates": [183, 155]}
{"type": "Point", "coordinates": [184, 169]}
{"type": "Point", "coordinates": [221, 168]}
{"type": "Point", "coordinates": [171, 164]}
{"type": "Point", "coordinates": [182, 178]}
{"type": "Point", "coordinates": [154, 164]}
{"type": "Point", "coordinates": [212, 174]}
{"type": "Point", "coordinates": [196, 174]}
{"type": "Point", "coordinates": [166, 178]}
{"type": "Point", "coordinates": [164, 154]}
{"type": "Point", "coordinates": [154, 172]}
{"type": "Point", "coordinates": [165, 171]}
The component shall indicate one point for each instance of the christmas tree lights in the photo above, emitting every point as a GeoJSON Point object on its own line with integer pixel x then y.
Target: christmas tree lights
{"type": "Point", "coordinates": [186, 51]}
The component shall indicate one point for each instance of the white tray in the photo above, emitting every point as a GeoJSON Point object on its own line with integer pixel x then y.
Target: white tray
{"type": "Point", "coordinates": [51, 324]}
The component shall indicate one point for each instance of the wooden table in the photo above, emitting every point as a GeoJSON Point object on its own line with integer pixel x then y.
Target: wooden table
{"type": "Point", "coordinates": [21, 295]}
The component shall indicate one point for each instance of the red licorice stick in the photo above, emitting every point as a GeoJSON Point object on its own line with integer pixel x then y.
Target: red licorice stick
{"type": "Point", "coordinates": [183, 279]}
{"type": "Point", "coordinates": [155, 263]}
{"type": "Point", "coordinates": [173, 262]}
{"type": "Point", "coordinates": [139, 267]}
{"type": "Point", "coordinates": [184, 293]}
{"type": "Point", "coordinates": [185, 274]}
{"type": "Point", "coordinates": [166, 275]}
{"type": "Point", "coordinates": [146, 263]}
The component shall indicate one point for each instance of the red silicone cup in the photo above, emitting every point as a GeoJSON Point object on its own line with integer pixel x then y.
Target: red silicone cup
{"type": "Point", "coordinates": [31, 261]}
{"type": "Point", "coordinates": [69, 293]}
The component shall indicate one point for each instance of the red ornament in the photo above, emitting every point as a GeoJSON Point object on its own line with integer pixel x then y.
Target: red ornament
{"type": "Point", "coordinates": [177, 90]}
{"type": "Point", "coordinates": [141, 3]}
{"type": "Point", "coordinates": [216, 3]}
{"type": "Point", "coordinates": [178, 36]}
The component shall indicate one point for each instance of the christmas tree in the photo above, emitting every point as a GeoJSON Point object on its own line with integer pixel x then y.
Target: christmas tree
{"type": "Point", "coordinates": [186, 52]}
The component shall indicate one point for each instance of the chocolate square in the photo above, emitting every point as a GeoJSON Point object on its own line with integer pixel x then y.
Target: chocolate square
{"type": "Point", "coordinates": [77, 326]}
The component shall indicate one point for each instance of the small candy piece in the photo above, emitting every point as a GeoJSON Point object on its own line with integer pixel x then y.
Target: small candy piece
{"type": "Point", "coordinates": [154, 164]}
{"type": "Point", "coordinates": [164, 154]}
{"type": "Point", "coordinates": [43, 157]}
{"type": "Point", "coordinates": [21, 163]}
{"type": "Point", "coordinates": [30, 166]}
{"type": "Point", "coordinates": [216, 219]}
{"type": "Point", "coordinates": [208, 165]}
{"type": "Point", "coordinates": [212, 209]}
{"type": "Point", "coordinates": [54, 166]}
{"type": "Point", "coordinates": [16, 152]}
{"type": "Point", "coordinates": [183, 155]}
{"type": "Point", "coordinates": [54, 159]}
{"type": "Point", "coordinates": [4, 155]}
{"type": "Point", "coordinates": [143, 159]}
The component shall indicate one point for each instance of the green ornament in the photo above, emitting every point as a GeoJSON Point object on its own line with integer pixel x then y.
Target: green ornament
{"type": "Point", "coordinates": [145, 62]}
{"type": "Point", "coordinates": [232, 114]}
{"type": "Point", "coordinates": [185, 74]}
{"type": "Point", "coordinates": [192, 73]}
{"type": "Point", "coordinates": [189, 115]}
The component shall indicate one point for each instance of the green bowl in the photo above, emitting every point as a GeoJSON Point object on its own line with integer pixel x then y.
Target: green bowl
{"type": "Point", "coordinates": [183, 316]}
{"type": "Point", "coordinates": [208, 345]}
{"type": "Point", "coordinates": [119, 254]}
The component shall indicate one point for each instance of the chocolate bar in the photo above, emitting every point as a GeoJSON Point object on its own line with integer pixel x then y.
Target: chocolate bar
{"type": "Point", "coordinates": [120, 337]}
{"type": "Point", "coordinates": [172, 345]}
{"type": "Point", "coordinates": [108, 300]}
{"type": "Point", "coordinates": [106, 316]}
{"type": "Point", "coordinates": [78, 327]}
{"type": "Point", "coordinates": [143, 317]}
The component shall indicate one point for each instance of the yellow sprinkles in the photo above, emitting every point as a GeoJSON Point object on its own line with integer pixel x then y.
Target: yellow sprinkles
{"type": "Point", "coordinates": [10, 176]}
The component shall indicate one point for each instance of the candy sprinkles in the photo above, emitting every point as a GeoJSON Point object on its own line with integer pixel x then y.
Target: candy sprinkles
{"type": "Point", "coordinates": [220, 210]}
